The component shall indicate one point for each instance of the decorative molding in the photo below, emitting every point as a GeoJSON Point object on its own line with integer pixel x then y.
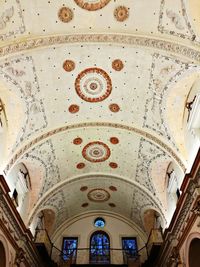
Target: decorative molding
{"type": "Point", "coordinates": [141, 132]}
{"type": "Point", "coordinates": [192, 53]}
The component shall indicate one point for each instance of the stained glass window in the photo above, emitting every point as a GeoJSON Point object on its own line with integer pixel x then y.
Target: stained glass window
{"type": "Point", "coordinates": [69, 246]}
{"type": "Point", "coordinates": [99, 248]}
{"type": "Point", "coordinates": [99, 222]}
{"type": "Point", "coordinates": [129, 245]}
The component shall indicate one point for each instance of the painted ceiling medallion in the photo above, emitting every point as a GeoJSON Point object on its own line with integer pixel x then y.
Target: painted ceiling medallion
{"type": "Point", "coordinates": [91, 5]}
{"type": "Point", "coordinates": [73, 108]}
{"type": "Point", "coordinates": [98, 195]}
{"type": "Point", "coordinates": [77, 141]}
{"type": "Point", "coordinates": [117, 65]}
{"type": "Point", "coordinates": [80, 165]}
{"type": "Point", "coordinates": [93, 85]}
{"type": "Point", "coordinates": [96, 152]}
{"type": "Point", "coordinates": [84, 205]}
{"type": "Point", "coordinates": [113, 165]}
{"type": "Point", "coordinates": [65, 14]}
{"type": "Point", "coordinates": [121, 13]}
{"type": "Point", "coordinates": [114, 140]}
{"type": "Point", "coordinates": [68, 65]}
{"type": "Point", "coordinates": [114, 107]}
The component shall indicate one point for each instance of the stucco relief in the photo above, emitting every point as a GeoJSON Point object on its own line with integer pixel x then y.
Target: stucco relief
{"type": "Point", "coordinates": [11, 10]}
{"type": "Point", "coordinates": [21, 73]}
{"type": "Point", "coordinates": [163, 45]}
{"type": "Point", "coordinates": [147, 154]}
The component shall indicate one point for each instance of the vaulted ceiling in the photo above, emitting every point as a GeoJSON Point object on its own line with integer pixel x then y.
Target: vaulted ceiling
{"type": "Point", "coordinates": [94, 93]}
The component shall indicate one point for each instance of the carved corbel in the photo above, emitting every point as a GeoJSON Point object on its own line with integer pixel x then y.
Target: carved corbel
{"type": "Point", "coordinates": [196, 208]}
{"type": "Point", "coordinates": [19, 257]}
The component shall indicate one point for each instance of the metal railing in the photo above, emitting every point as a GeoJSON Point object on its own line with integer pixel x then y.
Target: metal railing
{"type": "Point", "coordinates": [97, 256]}
{"type": "Point", "coordinates": [42, 237]}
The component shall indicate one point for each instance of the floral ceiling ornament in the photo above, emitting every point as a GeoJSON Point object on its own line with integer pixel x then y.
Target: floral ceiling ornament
{"type": "Point", "coordinates": [73, 108]}
{"type": "Point", "coordinates": [98, 195]}
{"type": "Point", "coordinates": [80, 165]}
{"type": "Point", "coordinates": [68, 65]}
{"type": "Point", "coordinates": [96, 152]}
{"type": "Point", "coordinates": [93, 85]}
{"type": "Point", "coordinates": [77, 141]}
{"type": "Point", "coordinates": [121, 13]}
{"type": "Point", "coordinates": [117, 65]}
{"type": "Point", "coordinates": [92, 5]}
{"type": "Point", "coordinates": [65, 14]}
{"type": "Point", "coordinates": [114, 107]}
{"type": "Point", "coordinates": [113, 165]}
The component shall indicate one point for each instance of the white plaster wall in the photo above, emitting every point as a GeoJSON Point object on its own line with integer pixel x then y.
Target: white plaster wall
{"type": "Point", "coordinates": [116, 227]}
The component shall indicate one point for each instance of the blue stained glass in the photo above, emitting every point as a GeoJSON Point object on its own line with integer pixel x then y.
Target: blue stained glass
{"type": "Point", "coordinates": [99, 222]}
{"type": "Point", "coordinates": [129, 245]}
{"type": "Point", "coordinates": [69, 246]}
{"type": "Point", "coordinates": [99, 248]}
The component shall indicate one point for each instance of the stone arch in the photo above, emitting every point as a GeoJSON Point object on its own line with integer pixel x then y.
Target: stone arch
{"type": "Point", "coordinates": [152, 220]}
{"type": "Point", "coordinates": [189, 249]}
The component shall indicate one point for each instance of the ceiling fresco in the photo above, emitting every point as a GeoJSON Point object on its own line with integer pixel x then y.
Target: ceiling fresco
{"type": "Point", "coordinates": [88, 88]}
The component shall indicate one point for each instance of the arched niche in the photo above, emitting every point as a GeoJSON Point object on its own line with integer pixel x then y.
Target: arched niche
{"type": "Point", "coordinates": [194, 253]}
{"type": "Point", "coordinates": [179, 93]}
{"type": "Point", "coordinates": [44, 220]}
{"type": "Point", "coordinates": [152, 220]}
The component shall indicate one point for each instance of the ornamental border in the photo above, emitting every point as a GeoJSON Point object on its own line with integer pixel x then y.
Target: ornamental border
{"type": "Point", "coordinates": [119, 39]}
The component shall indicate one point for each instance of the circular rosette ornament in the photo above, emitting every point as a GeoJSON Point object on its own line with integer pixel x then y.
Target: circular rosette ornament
{"type": "Point", "coordinates": [96, 152]}
{"type": "Point", "coordinates": [93, 85]}
{"type": "Point", "coordinates": [91, 5]}
{"type": "Point", "coordinates": [65, 14]}
{"type": "Point", "coordinates": [98, 195]}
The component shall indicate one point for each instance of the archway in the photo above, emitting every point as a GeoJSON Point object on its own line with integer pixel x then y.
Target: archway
{"type": "Point", "coordinates": [194, 256]}
{"type": "Point", "coordinates": [2, 255]}
{"type": "Point", "coordinates": [99, 248]}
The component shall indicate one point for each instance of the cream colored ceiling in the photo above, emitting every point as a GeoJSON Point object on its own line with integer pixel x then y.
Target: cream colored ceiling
{"type": "Point", "coordinates": [155, 47]}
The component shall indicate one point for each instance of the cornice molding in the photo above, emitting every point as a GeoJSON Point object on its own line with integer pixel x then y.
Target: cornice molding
{"type": "Point", "coordinates": [135, 130]}
{"type": "Point", "coordinates": [26, 44]}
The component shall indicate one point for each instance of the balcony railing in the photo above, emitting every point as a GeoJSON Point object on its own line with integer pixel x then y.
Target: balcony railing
{"type": "Point", "coordinates": [97, 256]}
{"type": "Point", "coordinates": [42, 237]}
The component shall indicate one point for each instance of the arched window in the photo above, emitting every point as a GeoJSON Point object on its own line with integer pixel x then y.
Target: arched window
{"type": "Point", "coordinates": [99, 222]}
{"type": "Point", "coordinates": [99, 248]}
